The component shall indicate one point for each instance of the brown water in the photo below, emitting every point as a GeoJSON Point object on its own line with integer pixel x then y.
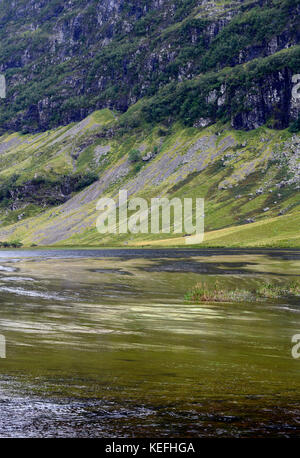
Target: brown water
{"type": "Point", "coordinates": [102, 344]}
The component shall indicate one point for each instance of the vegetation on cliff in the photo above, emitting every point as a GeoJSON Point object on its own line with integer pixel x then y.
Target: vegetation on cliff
{"type": "Point", "coordinates": [200, 101]}
{"type": "Point", "coordinates": [64, 60]}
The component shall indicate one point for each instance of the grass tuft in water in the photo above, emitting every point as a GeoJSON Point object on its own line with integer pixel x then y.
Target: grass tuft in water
{"type": "Point", "coordinates": [204, 292]}
{"type": "Point", "coordinates": [274, 291]}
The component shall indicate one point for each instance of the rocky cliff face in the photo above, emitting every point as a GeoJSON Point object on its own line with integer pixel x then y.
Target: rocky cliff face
{"type": "Point", "coordinates": [62, 60]}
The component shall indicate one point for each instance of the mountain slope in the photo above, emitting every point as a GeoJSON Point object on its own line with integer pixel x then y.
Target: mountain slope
{"type": "Point", "coordinates": [177, 98]}
{"type": "Point", "coordinates": [243, 176]}
{"type": "Point", "coordinates": [64, 60]}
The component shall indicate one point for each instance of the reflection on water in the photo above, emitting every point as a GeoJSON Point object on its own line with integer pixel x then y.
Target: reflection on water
{"type": "Point", "coordinates": [102, 344]}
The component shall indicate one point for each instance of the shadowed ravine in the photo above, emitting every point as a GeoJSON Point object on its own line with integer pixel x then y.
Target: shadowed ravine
{"type": "Point", "coordinates": [102, 343]}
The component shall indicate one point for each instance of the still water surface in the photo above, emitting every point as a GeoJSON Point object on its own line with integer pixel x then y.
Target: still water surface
{"type": "Point", "coordinates": [100, 343]}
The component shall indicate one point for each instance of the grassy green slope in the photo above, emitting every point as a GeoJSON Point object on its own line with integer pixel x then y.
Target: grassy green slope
{"type": "Point", "coordinates": [282, 231]}
{"type": "Point", "coordinates": [275, 232]}
{"type": "Point", "coordinates": [243, 176]}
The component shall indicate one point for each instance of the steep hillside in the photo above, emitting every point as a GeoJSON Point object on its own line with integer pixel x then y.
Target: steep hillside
{"type": "Point", "coordinates": [64, 60]}
{"type": "Point", "coordinates": [245, 178]}
{"type": "Point", "coordinates": [177, 98]}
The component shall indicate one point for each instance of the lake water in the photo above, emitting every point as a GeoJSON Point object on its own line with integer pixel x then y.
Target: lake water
{"type": "Point", "coordinates": [101, 343]}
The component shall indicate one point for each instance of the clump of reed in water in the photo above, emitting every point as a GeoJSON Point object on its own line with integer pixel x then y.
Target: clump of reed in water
{"type": "Point", "coordinates": [204, 292]}
{"type": "Point", "coordinates": [273, 291]}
